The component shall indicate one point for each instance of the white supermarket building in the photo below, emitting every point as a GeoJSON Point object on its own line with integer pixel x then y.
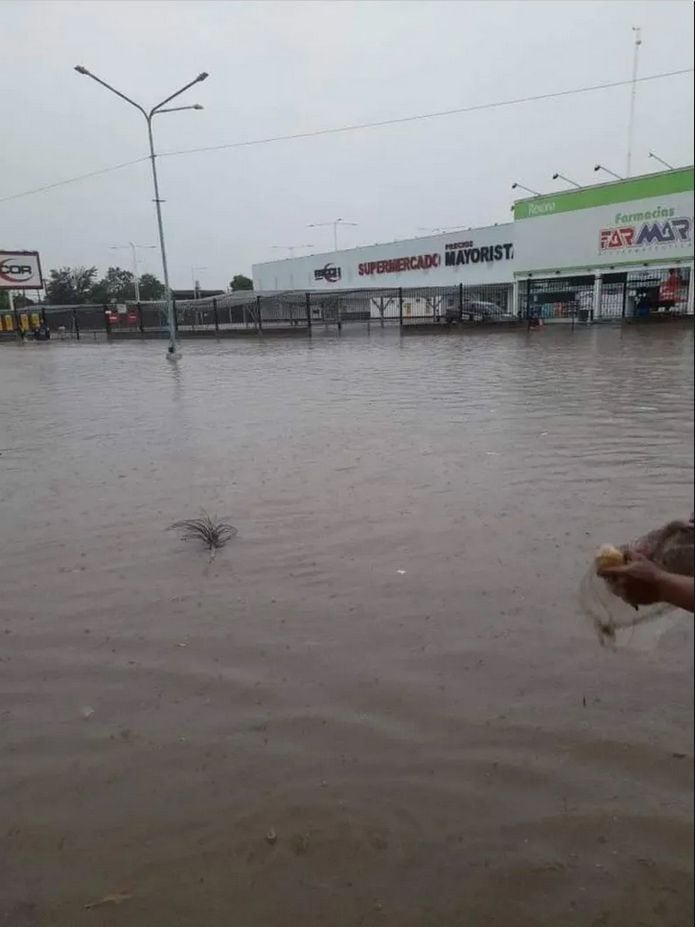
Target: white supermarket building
{"type": "Point", "coordinates": [607, 251]}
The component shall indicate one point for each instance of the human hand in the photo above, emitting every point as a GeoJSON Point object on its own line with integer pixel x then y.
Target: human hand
{"type": "Point", "coordinates": [639, 581]}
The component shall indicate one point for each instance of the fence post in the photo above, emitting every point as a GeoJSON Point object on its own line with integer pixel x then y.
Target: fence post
{"type": "Point", "coordinates": [176, 317]}
{"type": "Point", "coordinates": [308, 311]}
{"type": "Point", "coordinates": [76, 322]}
{"type": "Point", "coordinates": [17, 321]}
{"type": "Point", "coordinates": [107, 322]}
{"type": "Point", "coordinates": [259, 316]}
{"type": "Point", "coordinates": [460, 302]}
{"type": "Point", "coordinates": [217, 318]}
{"type": "Point", "coordinates": [691, 283]}
{"type": "Point", "coordinates": [141, 323]}
{"type": "Point", "coordinates": [400, 306]}
{"type": "Point", "coordinates": [43, 318]}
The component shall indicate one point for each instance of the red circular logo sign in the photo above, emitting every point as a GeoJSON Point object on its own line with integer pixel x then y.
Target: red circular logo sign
{"type": "Point", "coordinates": [13, 270]}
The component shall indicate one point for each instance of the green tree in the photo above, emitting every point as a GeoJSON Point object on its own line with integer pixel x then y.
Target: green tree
{"type": "Point", "coordinates": [21, 301]}
{"type": "Point", "coordinates": [116, 287]}
{"type": "Point", "coordinates": [240, 282]}
{"type": "Point", "coordinates": [151, 287]}
{"type": "Point", "coordinates": [70, 285]}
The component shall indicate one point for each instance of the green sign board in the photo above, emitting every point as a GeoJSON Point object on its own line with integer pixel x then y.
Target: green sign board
{"type": "Point", "coordinates": [622, 191]}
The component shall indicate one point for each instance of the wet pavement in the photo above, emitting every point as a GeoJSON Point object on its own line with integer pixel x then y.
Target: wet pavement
{"type": "Point", "coordinates": [379, 704]}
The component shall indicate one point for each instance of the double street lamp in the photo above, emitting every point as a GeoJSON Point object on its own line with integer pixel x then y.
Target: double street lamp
{"type": "Point", "coordinates": [134, 256]}
{"type": "Point", "coordinates": [335, 223]}
{"type": "Point", "coordinates": [196, 283]}
{"type": "Point", "coordinates": [290, 248]}
{"type": "Point", "coordinates": [149, 116]}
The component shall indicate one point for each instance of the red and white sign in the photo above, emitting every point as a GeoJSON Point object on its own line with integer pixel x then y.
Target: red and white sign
{"type": "Point", "coordinates": [20, 270]}
{"type": "Point", "coordinates": [400, 264]}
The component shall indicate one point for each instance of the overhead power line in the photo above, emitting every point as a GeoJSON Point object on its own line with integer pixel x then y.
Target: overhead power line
{"type": "Point", "coordinates": [62, 183]}
{"type": "Point", "coordinates": [477, 107]}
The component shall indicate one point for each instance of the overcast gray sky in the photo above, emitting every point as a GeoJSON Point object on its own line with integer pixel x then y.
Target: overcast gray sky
{"type": "Point", "coordinates": [278, 68]}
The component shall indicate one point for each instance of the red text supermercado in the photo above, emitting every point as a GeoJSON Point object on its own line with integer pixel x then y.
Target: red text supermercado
{"type": "Point", "coordinates": [399, 265]}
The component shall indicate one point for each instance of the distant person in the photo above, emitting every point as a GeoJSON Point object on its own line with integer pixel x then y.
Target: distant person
{"type": "Point", "coordinates": [643, 307]}
{"type": "Point", "coordinates": [534, 319]}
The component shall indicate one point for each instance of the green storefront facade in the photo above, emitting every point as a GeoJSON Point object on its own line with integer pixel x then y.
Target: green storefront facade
{"type": "Point", "coordinates": [619, 249]}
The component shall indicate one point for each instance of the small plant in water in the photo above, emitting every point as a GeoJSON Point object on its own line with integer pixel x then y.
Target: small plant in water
{"type": "Point", "coordinates": [212, 532]}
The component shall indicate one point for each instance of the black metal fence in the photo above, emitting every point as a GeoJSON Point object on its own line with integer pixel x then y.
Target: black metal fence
{"type": "Point", "coordinates": [578, 299]}
{"type": "Point", "coordinates": [259, 312]}
{"type": "Point", "coordinates": [627, 295]}
{"type": "Point", "coordinates": [557, 298]}
{"type": "Point", "coordinates": [657, 291]}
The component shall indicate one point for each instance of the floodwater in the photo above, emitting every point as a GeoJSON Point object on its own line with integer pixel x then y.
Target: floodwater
{"type": "Point", "coordinates": [379, 706]}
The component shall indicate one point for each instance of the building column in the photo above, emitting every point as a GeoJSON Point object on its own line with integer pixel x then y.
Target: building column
{"type": "Point", "coordinates": [596, 305]}
{"type": "Point", "coordinates": [515, 298]}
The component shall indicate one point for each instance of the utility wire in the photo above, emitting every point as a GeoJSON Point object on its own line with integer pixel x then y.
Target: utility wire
{"type": "Point", "coordinates": [436, 115]}
{"type": "Point", "coordinates": [61, 183]}
{"type": "Point", "coordinates": [353, 128]}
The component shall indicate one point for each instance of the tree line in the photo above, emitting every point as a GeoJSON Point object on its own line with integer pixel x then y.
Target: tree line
{"type": "Point", "coordinates": [76, 286]}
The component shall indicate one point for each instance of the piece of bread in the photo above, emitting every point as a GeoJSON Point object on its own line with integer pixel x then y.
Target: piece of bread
{"type": "Point", "coordinates": [609, 556]}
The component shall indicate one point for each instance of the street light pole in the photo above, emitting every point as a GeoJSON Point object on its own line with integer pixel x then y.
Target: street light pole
{"type": "Point", "coordinates": [136, 275]}
{"type": "Point", "coordinates": [193, 280]}
{"type": "Point", "coordinates": [290, 248]}
{"type": "Point", "coordinates": [335, 223]}
{"type": "Point", "coordinates": [171, 318]}
{"type": "Point", "coordinates": [633, 94]}
{"type": "Point", "coordinates": [159, 108]}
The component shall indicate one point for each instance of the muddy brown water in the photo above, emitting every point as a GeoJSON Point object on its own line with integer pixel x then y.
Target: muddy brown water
{"type": "Point", "coordinates": [387, 667]}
